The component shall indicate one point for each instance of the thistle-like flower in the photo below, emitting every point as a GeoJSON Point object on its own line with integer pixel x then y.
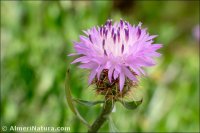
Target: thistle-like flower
{"type": "Point", "coordinates": [116, 54]}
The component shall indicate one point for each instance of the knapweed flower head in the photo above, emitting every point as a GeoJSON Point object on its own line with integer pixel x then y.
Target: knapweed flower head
{"type": "Point", "coordinates": [116, 54]}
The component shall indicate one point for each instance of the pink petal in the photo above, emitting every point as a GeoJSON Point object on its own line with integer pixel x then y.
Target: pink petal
{"type": "Point", "coordinates": [92, 75]}
{"type": "Point", "coordinates": [134, 68]}
{"type": "Point", "coordinates": [72, 54]}
{"type": "Point", "coordinates": [156, 46]}
{"type": "Point", "coordinates": [129, 74]}
{"type": "Point", "coordinates": [82, 59]}
{"type": "Point", "coordinates": [116, 73]}
{"type": "Point", "coordinates": [90, 65]}
{"type": "Point", "coordinates": [121, 81]}
{"type": "Point", "coordinates": [110, 72]}
{"type": "Point", "coordinates": [99, 72]}
{"type": "Point", "coordinates": [142, 71]}
{"type": "Point", "coordinates": [151, 37]}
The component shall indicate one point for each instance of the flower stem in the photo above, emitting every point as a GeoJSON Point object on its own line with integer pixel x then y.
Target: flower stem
{"type": "Point", "coordinates": [107, 109]}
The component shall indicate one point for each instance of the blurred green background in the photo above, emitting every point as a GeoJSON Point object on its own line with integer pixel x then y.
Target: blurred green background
{"type": "Point", "coordinates": [36, 36]}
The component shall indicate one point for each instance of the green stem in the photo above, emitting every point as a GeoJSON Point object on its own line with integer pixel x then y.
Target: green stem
{"type": "Point", "coordinates": [107, 109]}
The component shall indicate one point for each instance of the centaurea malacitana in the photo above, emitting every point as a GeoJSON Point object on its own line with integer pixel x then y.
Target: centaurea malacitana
{"type": "Point", "coordinates": [118, 52]}
{"type": "Point", "coordinates": [115, 54]}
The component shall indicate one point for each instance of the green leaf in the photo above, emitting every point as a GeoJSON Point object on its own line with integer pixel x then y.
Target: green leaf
{"type": "Point", "coordinates": [68, 93]}
{"type": "Point", "coordinates": [87, 103]}
{"type": "Point", "coordinates": [112, 127]}
{"type": "Point", "coordinates": [70, 101]}
{"type": "Point", "coordinates": [131, 105]}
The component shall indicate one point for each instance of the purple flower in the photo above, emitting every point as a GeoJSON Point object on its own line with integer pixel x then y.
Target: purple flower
{"type": "Point", "coordinates": [120, 48]}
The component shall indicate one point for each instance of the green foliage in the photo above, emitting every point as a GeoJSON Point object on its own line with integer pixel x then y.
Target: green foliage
{"type": "Point", "coordinates": [131, 105]}
{"type": "Point", "coordinates": [36, 37]}
{"type": "Point", "coordinates": [87, 103]}
{"type": "Point", "coordinates": [70, 101]}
